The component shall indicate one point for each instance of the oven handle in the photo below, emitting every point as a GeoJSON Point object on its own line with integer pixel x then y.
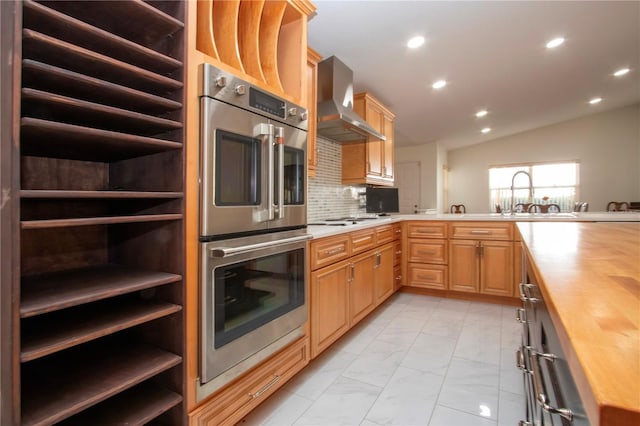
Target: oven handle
{"type": "Point", "coordinates": [232, 251]}
{"type": "Point", "coordinates": [279, 140]}
{"type": "Point", "coordinates": [539, 386]}
{"type": "Point", "coordinates": [270, 173]}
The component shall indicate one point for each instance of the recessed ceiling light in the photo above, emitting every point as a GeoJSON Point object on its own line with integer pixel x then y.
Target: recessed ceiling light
{"type": "Point", "coordinates": [621, 72]}
{"type": "Point", "coordinates": [555, 42]}
{"type": "Point", "coordinates": [439, 84]}
{"type": "Point", "coordinates": [415, 42]}
{"type": "Point", "coordinates": [595, 101]}
{"type": "Point", "coordinates": [482, 113]}
{"type": "Point", "coordinates": [486, 130]}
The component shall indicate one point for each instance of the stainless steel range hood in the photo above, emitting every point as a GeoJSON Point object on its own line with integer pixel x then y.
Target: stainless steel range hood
{"type": "Point", "coordinates": [336, 118]}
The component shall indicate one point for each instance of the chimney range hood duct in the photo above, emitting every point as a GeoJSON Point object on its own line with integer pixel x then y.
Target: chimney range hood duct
{"type": "Point", "coordinates": [336, 118]}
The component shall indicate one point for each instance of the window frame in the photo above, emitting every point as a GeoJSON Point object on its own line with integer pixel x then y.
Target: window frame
{"type": "Point", "coordinates": [566, 204]}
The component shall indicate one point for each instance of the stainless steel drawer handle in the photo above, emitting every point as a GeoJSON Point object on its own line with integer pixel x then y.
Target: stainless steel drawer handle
{"type": "Point", "coordinates": [334, 251]}
{"type": "Point", "coordinates": [480, 232]}
{"type": "Point", "coordinates": [266, 387]}
{"type": "Point", "coordinates": [540, 388]}
{"type": "Point", "coordinates": [521, 315]}
{"type": "Point", "coordinates": [524, 293]}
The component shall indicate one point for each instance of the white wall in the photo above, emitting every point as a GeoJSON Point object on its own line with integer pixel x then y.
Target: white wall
{"type": "Point", "coordinates": [607, 145]}
{"type": "Point", "coordinates": [427, 156]}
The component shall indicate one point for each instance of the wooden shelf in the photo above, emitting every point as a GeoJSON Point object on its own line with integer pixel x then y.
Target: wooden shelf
{"type": "Point", "coordinates": [50, 50]}
{"type": "Point", "coordinates": [136, 406]}
{"type": "Point", "coordinates": [82, 112]}
{"type": "Point", "coordinates": [71, 327]}
{"type": "Point", "coordinates": [134, 20]}
{"type": "Point", "coordinates": [74, 31]}
{"type": "Point", "coordinates": [87, 221]}
{"type": "Point", "coordinates": [47, 193]}
{"type": "Point", "coordinates": [58, 387]}
{"type": "Point", "coordinates": [59, 290]}
{"type": "Point", "coordinates": [61, 140]}
{"type": "Point", "coordinates": [36, 74]}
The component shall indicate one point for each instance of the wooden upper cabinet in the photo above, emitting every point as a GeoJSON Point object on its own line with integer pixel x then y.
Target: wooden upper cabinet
{"type": "Point", "coordinates": [313, 58]}
{"type": "Point", "coordinates": [263, 42]}
{"type": "Point", "coordinates": [370, 162]}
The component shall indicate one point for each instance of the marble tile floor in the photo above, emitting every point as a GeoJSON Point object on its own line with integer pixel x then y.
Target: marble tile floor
{"type": "Point", "coordinates": [416, 360]}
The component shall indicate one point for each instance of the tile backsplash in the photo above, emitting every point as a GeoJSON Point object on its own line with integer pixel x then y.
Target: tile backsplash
{"type": "Point", "coordinates": [328, 197]}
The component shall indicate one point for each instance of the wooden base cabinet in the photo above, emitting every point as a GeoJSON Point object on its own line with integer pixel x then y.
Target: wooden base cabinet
{"type": "Point", "coordinates": [483, 264]}
{"type": "Point", "coordinates": [352, 273]}
{"type": "Point", "coordinates": [384, 281]}
{"type": "Point", "coordinates": [234, 402]}
{"type": "Point", "coordinates": [329, 305]}
{"type": "Point", "coordinates": [427, 255]}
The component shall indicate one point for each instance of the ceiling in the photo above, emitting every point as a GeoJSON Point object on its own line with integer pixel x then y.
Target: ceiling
{"type": "Point", "coordinates": [492, 55]}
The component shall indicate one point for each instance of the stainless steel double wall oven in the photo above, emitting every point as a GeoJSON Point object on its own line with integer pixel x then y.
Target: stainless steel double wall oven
{"type": "Point", "coordinates": [252, 225]}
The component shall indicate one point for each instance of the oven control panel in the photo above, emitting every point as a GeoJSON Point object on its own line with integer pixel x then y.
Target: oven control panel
{"type": "Point", "coordinates": [226, 87]}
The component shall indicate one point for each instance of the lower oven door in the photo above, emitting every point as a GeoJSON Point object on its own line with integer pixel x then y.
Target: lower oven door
{"type": "Point", "coordinates": [253, 296]}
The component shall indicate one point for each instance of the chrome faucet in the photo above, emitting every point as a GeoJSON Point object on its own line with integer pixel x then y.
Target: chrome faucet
{"type": "Point", "coordinates": [513, 179]}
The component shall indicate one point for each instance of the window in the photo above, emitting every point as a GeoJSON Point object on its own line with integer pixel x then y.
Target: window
{"type": "Point", "coordinates": [551, 183]}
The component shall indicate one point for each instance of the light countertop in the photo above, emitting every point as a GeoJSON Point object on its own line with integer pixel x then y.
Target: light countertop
{"type": "Point", "coordinates": [318, 231]}
{"type": "Point", "coordinates": [589, 275]}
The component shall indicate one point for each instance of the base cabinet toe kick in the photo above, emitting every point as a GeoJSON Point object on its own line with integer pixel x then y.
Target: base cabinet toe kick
{"type": "Point", "coordinates": [551, 395]}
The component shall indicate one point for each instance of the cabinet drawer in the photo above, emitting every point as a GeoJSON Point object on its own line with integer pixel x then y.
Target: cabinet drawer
{"type": "Point", "coordinates": [397, 252]}
{"type": "Point", "coordinates": [482, 231]}
{"type": "Point", "coordinates": [384, 234]}
{"type": "Point", "coordinates": [362, 240]}
{"type": "Point", "coordinates": [235, 401]}
{"type": "Point", "coordinates": [326, 251]}
{"type": "Point", "coordinates": [397, 277]}
{"type": "Point", "coordinates": [428, 276]}
{"type": "Point", "coordinates": [397, 231]}
{"type": "Point", "coordinates": [428, 251]}
{"type": "Point", "coordinates": [427, 230]}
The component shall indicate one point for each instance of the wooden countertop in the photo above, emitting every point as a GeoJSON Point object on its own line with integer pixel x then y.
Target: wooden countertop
{"type": "Point", "coordinates": [590, 278]}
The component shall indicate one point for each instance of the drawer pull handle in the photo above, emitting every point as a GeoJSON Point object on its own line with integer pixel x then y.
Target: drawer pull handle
{"type": "Point", "coordinates": [399, 252]}
{"type": "Point", "coordinates": [334, 251]}
{"type": "Point", "coordinates": [427, 231]}
{"type": "Point", "coordinates": [425, 277]}
{"type": "Point", "coordinates": [521, 315]}
{"type": "Point", "coordinates": [276, 378]}
{"type": "Point", "coordinates": [480, 232]}
{"type": "Point", "coordinates": [524, 294]}
{"type": "Point", "coordinates": [539, 385]}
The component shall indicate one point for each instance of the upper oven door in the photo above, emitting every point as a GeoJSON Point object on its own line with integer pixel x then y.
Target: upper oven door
{"type": "Point", "coordinates": [289, 177]}
{"type": "Point", "coordinates": [233, 179]}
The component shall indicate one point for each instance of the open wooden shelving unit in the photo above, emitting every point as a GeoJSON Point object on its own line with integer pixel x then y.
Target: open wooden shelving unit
{"type": "Point", "coordinates": [99, 248]}
{"type": "Point", "coordinates": [262, 41]}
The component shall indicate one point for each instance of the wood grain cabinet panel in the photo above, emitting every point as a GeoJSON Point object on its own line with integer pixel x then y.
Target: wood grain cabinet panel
{"type": "Point", "coordinates": [385, 234]}
{"type": "Point", "coordinates": [370, 161]}
{"type": "Point", "coordinates": [481, 258]}
{"type": "Point", "coordinates": [384, 279]}
{"type": "Point", "coordinates": [330, 315]}
{"type": "Point", "coordinates": [428, 251]}
{"type": "Point", "coordinates": [240, 397]}
{"type": "Point", "coordinates": [362, 240]}
{"type": "Point", "coordinates": [361, 286]}
{"type": "Point", "coordinates": [427, 276]}
{"type": "Point", "coordinates": [427, 230]}
{"type": "Point", "coordinates": [326, 251]}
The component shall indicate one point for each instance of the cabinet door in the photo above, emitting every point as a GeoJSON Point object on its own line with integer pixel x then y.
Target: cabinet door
{"type": "Point", "coordinates": [361, 286]}
{"type": "Point", "coordinates": [384, 278]}
{"type": "Point", "coordinates": [329, 305]}
{"type": "Point", "coordinates": [464, 264]}
{"type": "Point", "coordinates": [387, 169]}
{"type": "Point", "coordinates": [364, 106]}
{"type": "Point", "coordinates": [496, 268]}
